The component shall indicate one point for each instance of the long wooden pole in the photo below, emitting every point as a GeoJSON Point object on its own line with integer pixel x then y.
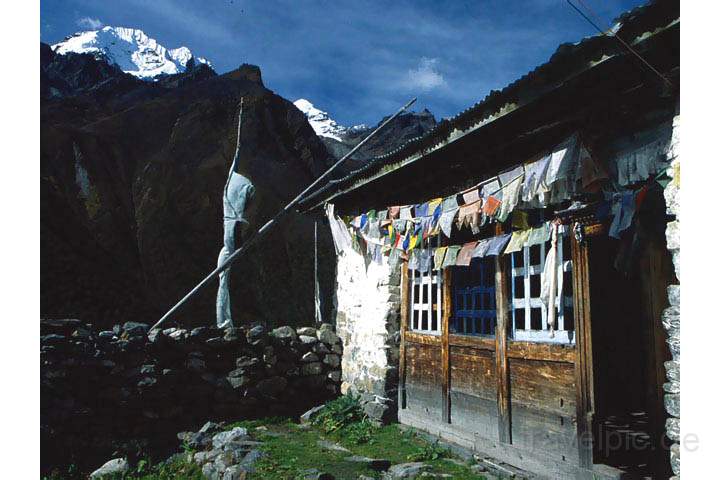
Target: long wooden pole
{"type": "Point", "coordinates": [273, 221]}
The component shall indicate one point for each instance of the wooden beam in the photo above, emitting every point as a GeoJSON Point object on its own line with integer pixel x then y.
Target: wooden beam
{"type": "Point", "coordinates": [423, 339]}
{"type": "Point", "coordinates": [502, 374]}
{"type": "Point", "coordinates": [584, 396]}
{"type": "Point", "coordinates": [549, 352]}
{"type": "Point", "coordinates": [404, 312]}
{"type": "Point", "coordinates": [447, 306]}
{"type": "Point", "coordinates": [481, 343]}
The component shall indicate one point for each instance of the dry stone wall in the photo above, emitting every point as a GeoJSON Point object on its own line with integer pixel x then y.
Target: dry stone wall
{"type": "Point", "coordinates": [671, 315]}
{"type": "Point", "coordinates": [368, 322]}
{"type": "Point", "coordinates": [125, 392]}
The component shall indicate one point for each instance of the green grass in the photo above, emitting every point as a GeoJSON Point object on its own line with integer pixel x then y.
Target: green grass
{"type": "Point", "coordinates": [293, 449]}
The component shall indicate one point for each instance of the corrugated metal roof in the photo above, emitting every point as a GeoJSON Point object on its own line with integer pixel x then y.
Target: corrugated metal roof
{"type": "Point", "coordinates": [569, 59]}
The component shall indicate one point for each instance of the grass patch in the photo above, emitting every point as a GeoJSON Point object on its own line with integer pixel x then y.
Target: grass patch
{"type": "Point", "coordinates": [292, 449]}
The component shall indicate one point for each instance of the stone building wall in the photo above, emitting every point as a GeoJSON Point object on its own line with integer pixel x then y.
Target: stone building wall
{"type": "Point", "coordinates": [671, 315]}
{"type": "Point", "coordinates": [128, 393]}
{"type": "Point", "coordinates": [368, 322]}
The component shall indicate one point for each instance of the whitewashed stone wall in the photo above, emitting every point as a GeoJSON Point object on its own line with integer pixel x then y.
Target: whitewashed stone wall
{"type": "Point", "coordinates": [368, 322]}
{"type": "Point", "coordinates": [671, 315]}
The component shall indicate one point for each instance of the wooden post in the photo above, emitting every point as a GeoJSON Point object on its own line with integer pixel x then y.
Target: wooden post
{"type": "Point", "coordinates": [404, 313]}
{"type": "Point", "coordinates": [502, 373]}
{"type": "Point", "coordinates": [584, 395]}
{"type": "Point", "coordinates": [447, 306]}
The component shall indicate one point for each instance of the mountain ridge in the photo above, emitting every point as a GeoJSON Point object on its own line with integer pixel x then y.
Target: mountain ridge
{"type": "Point", "coordinates": [132, 50]}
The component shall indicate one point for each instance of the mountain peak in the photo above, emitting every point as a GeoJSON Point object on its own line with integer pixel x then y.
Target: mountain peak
{"type": "Point", "coordinates": [321, 122]}
{"type": "Point", "coordinates": [131, 50]}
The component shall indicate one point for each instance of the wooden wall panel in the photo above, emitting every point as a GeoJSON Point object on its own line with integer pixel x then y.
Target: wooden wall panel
{"type": "Point", "coordinates": [473, 391]}
{"type": "Point", "coordinates": [542, 385]}
{"type": "Point", "coordinates": [544, 433]}
{"type": "Point", "coordinates": [474, 415]}
{"type": "Point", "coordinates": [472, 372]}
{"type": "Point", "coordinates": [423, 379]}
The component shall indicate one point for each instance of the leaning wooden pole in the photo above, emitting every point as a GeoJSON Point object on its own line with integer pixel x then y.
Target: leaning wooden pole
{"type": "Point", "coordinates": [273, 221]}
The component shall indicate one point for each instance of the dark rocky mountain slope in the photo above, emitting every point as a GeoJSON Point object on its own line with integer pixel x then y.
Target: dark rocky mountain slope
{"type": "Point", "coordinates": [132, 174]}
{"type": "Point", "coordinates": [403, 128]}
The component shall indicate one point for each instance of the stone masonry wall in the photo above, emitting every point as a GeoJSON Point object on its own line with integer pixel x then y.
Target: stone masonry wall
{"type": "Point", "coordinates": [368, 322]}
{"type": "Point", "coordinates": [128, 393]}
{"type": "Point", "coordinates": [671, 315]}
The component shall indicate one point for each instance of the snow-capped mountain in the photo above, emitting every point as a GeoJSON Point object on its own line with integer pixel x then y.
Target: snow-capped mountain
{"type": "Point", "coordinates": [339, 140]}
{"type": "Point", "coordinates": [321, 122]}
{"type": "Point", "coordinates": [131, 50]}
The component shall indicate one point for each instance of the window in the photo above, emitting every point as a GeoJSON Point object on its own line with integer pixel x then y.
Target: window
{"type": "Point", "coordinates": [473, 308]}
{"type": "Point", "coordinates": [529, 318]}
{"type": "Point", "coordinates": [426, 300]}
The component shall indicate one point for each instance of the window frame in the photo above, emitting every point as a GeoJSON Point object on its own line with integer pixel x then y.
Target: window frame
{"type": "Point", "coordinates": [433, 279]}
{"type": "Point", "coordinates": [491, 291]}
{"type": "Point", "coordinates": [527, 302]}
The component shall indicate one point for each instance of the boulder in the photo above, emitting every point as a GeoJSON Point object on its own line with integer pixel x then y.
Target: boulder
{"type": "Point", "coordinates": [313, 368]}
{"type": "Point", "coordinates": [407, 470]}
{"type": "Point", "coordinates": [320, 348]}
{"type": "Point", "coordinates": [310, 357]}
{"type": "Point", "coordinates": [236, 434]}
{"type": "Point", "coordinates": [377, 464]}
{"type": "Point", "coordinates": [307, 331]}
{"type": "Point", "coordinates": [134, 329]}
{"type": "Point", "coordinates": [326, 335]}
{"type": "Point", "coordinates": [332, 360]}
{"type": "Point", "coordinates": [256, 333]}
{"type": "Point", "coordinates": [235, 472]}
{"type": "Point", "coordinates": [307, 339]}
{"type": "Point", "coordinates": [284, 333]}
{"type": "Point", "coordinates": [315, 474]}
{"type": "Point", "coordinates": [113, 468]}
{"type": "Point", "coordinates": [247, 362]}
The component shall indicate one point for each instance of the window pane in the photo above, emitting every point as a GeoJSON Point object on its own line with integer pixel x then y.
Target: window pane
{"type": "Point", "coordinates": [424, 320]}
{"type": "Point", "coordinates": [519, 287]}
{"type": "Point", "coordinates": [569, 319]}
{"type": "Point", "coordinates": [568, 283]}
{"type": "Point", "coordinates": [535, 255]}
{"type": "Point", "coordinates": [518, 259]}
{"type": "Point", "coordinates": [534, 286]}
{"type": "Point", "coordinates": [474, 294]}
{"type": "Point", "coordinates": [536, 319]}
{"type": "Point", "coordinates": [519, 317]}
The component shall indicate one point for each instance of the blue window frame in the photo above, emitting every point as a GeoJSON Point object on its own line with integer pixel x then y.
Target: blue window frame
{"type": "Point", "coordinates": [473, 308]}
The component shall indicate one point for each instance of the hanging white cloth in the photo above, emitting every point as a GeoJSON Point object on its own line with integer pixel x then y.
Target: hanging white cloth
{"type": "Point", "coordinates": [238, 193]}
{"type": "Point", "coordinates": [237, 197]}
{"type": "Point", "coordinates": [340, 234]}
{"type": "Point", "coordinates": [549, 287]}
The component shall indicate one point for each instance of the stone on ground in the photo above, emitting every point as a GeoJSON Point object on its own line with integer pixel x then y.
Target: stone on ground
{"type": "Point", "coordinates": [308, 416]}
{"type": "Point", "coordinates": [234, 435]}
{"type": "Point", "coordinates": [332, 446]}
{"type": "Point", "coordinates": [407, 470]}
{"type": "Point", "coordinates": [377, 464]}
{"type": "Point", "coordinates": [113, 468]}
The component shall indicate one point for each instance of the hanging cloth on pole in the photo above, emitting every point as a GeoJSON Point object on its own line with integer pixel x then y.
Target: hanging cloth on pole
{"type": "Point", "coordinates": [237, 196]}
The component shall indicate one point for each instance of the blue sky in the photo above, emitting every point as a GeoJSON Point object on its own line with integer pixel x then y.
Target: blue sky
{"type": "Point", "coordinates": [358, 60]}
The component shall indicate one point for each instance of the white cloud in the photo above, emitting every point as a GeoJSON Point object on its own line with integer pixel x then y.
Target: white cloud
{"type": "Point", "coordinates": [89, 23]}
{"type": "Point", "coordinates": [426, 76]}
